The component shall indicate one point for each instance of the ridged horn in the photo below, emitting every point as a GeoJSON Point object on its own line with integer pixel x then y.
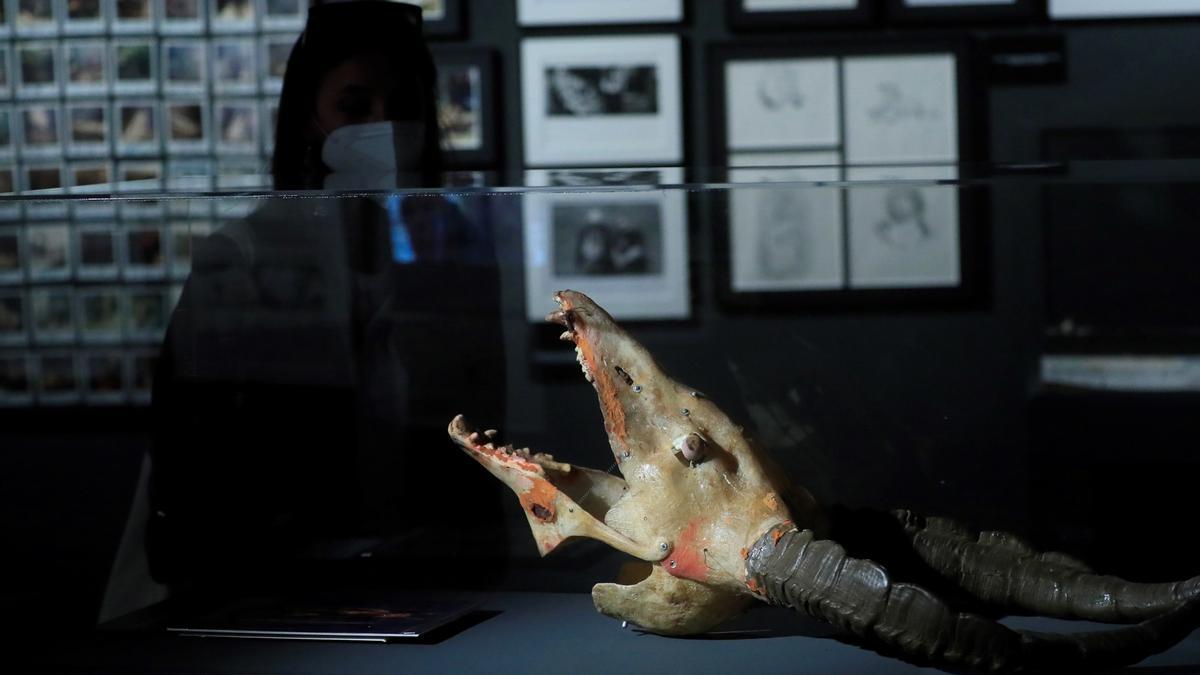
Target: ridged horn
{"type": "Point", "coordinates": [793, 569]}
{"type": "Point", "coordinates": [1002, 570]}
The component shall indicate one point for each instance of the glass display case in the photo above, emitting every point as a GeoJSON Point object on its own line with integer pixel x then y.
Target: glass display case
{"type": "Point", "coordinates": [268, 377]}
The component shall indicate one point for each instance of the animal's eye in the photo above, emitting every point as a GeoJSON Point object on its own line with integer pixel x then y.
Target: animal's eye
{"type": "Point", "coordinates": [692, 447]}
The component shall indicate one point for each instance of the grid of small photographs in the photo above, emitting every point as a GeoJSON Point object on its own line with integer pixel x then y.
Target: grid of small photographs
{"type": "Point", "coordinates": [140, 80]}
{"type": "Point", "coordinates": [84, 305]}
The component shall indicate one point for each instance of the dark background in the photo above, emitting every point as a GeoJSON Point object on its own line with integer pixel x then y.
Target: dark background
{"type": "Point", "coordinates": [935, 409]}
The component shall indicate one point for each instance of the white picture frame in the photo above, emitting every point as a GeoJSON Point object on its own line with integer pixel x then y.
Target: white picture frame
{"type": "Point", "coordinates": [105, 379]}
{"type": "Point", "coordinates": [568, 122]}
{"type": "Point", "coordinates": [901, 108]}
{"type": "Point", "coordinates": [14, 318]}
{"type": "Point", "coordinates": [16, 380]}
{"type": "Point", "coordinates": [185, 66]}
{"type": "Point", "coordinates": [88, 128]}
{"type": "Point", "coordinates": [36, 18]}
{"type": "Point", "coordinates": [591, 12]}
{"type": "Point", "coordinates": [557, 232]}
{"type": "Point", "coordinates": [89, 17]}
{"type": "Point", "coordinates": [783, 103]}
{"type": "Point", "coordinates": [138, 17]}
{"type": "Point", "coordinates": [137, 127]}
{"type": "Point", "coordinates": [53, 315]}
{"type": "Point", "coordinates": [183, 17]}
{"type": "Point", "coordinates": [1110, 9]}
{"type": "Point", "coordinates": [86, 68]}
{"type": "Point", "coordinates": [101, 318]}
{"type": "Point", "coordinates": [39, 71]}
{"type": "Point", "coordinates": [785, 237]}
{"type": "Point", "coordinates": [904, 232]}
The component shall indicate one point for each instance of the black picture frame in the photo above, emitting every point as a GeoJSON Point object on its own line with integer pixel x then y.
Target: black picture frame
{"type": "Point", "coordinates": [973, 227]}
{"type": "Point", "coordinates": [899, 12]}
{"type": "Point", "coordinates": [740, 18]}
{"type": "Point", "coordinates": [486, 155]}
{"type": "Point", "coordinates": [452, 23]}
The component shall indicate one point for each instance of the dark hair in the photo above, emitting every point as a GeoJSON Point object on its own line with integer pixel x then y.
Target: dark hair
{"type": "Point", "coordinates": [335, 33]}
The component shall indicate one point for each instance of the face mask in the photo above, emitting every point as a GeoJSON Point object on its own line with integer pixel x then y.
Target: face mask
{"type": "Point", "coordinates": [374, 156]}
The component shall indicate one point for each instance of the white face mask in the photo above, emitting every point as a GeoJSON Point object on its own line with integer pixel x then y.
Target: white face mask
{"type": "Point", "coordinates": [374, 156]}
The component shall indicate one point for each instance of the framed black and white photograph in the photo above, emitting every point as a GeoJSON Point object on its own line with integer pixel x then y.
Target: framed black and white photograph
{"type": "Point", "coordinates": [628, 249]}
{"type": "Point", "coordinates": [104, 378]}
{"type": "Point", "coordinates": [37, 70]}
{"type": "Point", "coordinates": [41, 130]}
{"type": "Point", "coordinates": [140, 369]}
{"type": "Point", "coordinates": [233, 16]}
{"type": "Point", "coordinates": [774, 14]}
{"type": "Point", "coordinates": [12, 255]}
{"type": "Point", "coordinates": [145, 252]}
{"type": "Point", "coordinates": [87, 67]}
{"type": "Point", "coordinates": [137, 127]}
{"type": "Point", "coordinates": [186, 122]}
{"type": "Point", "coordinates": [602, 100]}
{"type": "Point", "coordinates": [237, 126]}
{"type": "Point", "coordinates": [146, 313]}
{"type": "Point", "coordinates": [90, 177]}
{"type": "Point", "coordinates": [85, 17]}
{"type": "Point", "coordinates": [933, 11]}
{"type": "Point", "coordinates": [1114, 9]}
{"type": "Point", "coordinates": [88, 129]}
{"type": "Point", "coordinates": [183, 17]}
{"type": "Point", "coordinates": [49, 251]}
{"type": "Point", "coordinates": [185, 66]}
{"type": "Point", "coordinates": [283, 14]}
{"type": "Point", "coordinates": [6, 80]}
{"type": "Point", "coordinates": [7, 133]}
{"type": "Point", "coordinates": [592, 12]}
{"type": "Point", "coordinates": [36, 17]}
{"type": "Point", "coordinates": [467, 107]}
{"type": "Point", "coordinates": [134, 16]}
{"type": "Point", "coordinates": [902, 108]}
{"type": "Point", "coordinates": [441, 18]}
{"type": "Point", "coordinates": [772, 104]}
{"type": "Point", "coordinates": [53, 315]}
{"type": "Point", "coordinates": [135, 66]}
{"type": "Point", "coordinates": [57, 378]}
{"type": "Point", "coordinates": [183, 237]}
{"type": "Point", "coordinates": [16, 379]}
{"type": "Point", "coordinates": [234, 66]}
{"type": "Point", "coordinates": [273, 55]}
{"type": "Point", "coordinates": [100, 317]}
{"type": "Point", "coordinates": [14, 318]}
{"type": "Point", "coordinates": [97, 252]}
{"type": "Point", "coordinates": [783, 234]}
{"type": "Point", "coordinates": [905, 233]}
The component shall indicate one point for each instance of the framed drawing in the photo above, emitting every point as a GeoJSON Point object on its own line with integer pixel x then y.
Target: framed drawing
{"type": "Point", "coordinates": [441, 18]}
{"type": "Point", "coordinates": [627, 250]}
{"type": "Point", "coordinates": [467, 108]}
{"type": "Point", "coordinates": [86, 68]}
{"type": "Point", "coordinates": [591, 12]}
{"type": "Point", "coordinates": [608, 101]}
{"type": "Point", "coordinates": [1112, 9]}
{"type": "Point", "coordinates": [783, 103]}
{"type": "Point", "coordinates": [931, 11]}
{"type": "Point", "coordinates": [773, 14]}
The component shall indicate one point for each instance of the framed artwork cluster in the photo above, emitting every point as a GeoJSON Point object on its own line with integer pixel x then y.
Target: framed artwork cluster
{"type": "Point", "coordinates": [898, 116]}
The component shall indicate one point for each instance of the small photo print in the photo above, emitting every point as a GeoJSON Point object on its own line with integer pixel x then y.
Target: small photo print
{"type": "Point", "coordinates": [460, 106]}
{"type": "Point", "coordinates": [185, 65]}
{"type": "Point", "coordinates": [37, 68]}
{"type": "Point", "coordinates": [49, 251]}
{"type": "Point", "coordinates": [39, 124]}
{"type": "Point", "coordinates": [97, 247]}
{"type": "Point", "coordinates": [53, 315]}
{"type": "Point", "coordinates": [147, 313]}
{"type": "Point", "coordinates": [144, 250]}
{"type": "Point", "coordinates": [607, 239]}
{"type": "Point", "coordinates": [104, 377]}
{"type": "Point", "coordinates": [186, 124]}
{"type": "Point", "coordinates": [137, 127]}
{"type": "Point", "coordinates": [234, 70]}
{"type": "Point", "coordinates": [578, 91]}
{"type": "Point", "coordinates": [238, 126]}
{"type": "Point", "coordinates": [43, 178]}
{"type": "Point", "coordinates": [91, 177]}
{"type": "Point", "coordinates": [15, 386]}
{"type": "Point", "coordinates": [134, 62]}
{"type": "Point", "coordinates": [133, 16]}
{"type": "Point", "coordinates": [232, 15]}
{"type": "Point", "coordinates": [5, 80]}
{"type": "Point", "coordinates": [87, 126]}
{"type": "Point", "coordinates": [84, 17]}
{"type": "Point", "coordinates": [100, 314]}
{"type": "Point", "coordinates": [37, 17]}
{"type": "Point", "coordinates": [12, 262]}
{"type": "Point", "coordinates": [182, 16]}
{"type": "Point", "coordinates": [14, 322]}
{"type": "Point", "coordinates": [86, 66]}
{"type": "Point", "coordinates": [58, 379]}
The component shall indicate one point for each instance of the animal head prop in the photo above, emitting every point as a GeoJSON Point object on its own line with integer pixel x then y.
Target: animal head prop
{"type": "Point", "coordinates": [716, 527]}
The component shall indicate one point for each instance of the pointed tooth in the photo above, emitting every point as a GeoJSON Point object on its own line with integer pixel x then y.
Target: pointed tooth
{"type": "Point", "coordinates": [490, 446]}
{"type": "Point", "coordinates": [566, 336]}
{"type": "Point", "coordinates": [490, 433]}
{"type": "Point", "coordinates": [474, 437]}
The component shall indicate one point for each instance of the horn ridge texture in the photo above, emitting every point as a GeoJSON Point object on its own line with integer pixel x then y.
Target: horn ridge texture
{"type": "Point", "coordinates": [794, 569]}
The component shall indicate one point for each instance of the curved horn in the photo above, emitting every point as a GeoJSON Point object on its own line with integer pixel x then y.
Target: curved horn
{"type": "Point", "coordinates": [1003, 570]}
{"type": "Point", "coordinates": [791, 568]}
